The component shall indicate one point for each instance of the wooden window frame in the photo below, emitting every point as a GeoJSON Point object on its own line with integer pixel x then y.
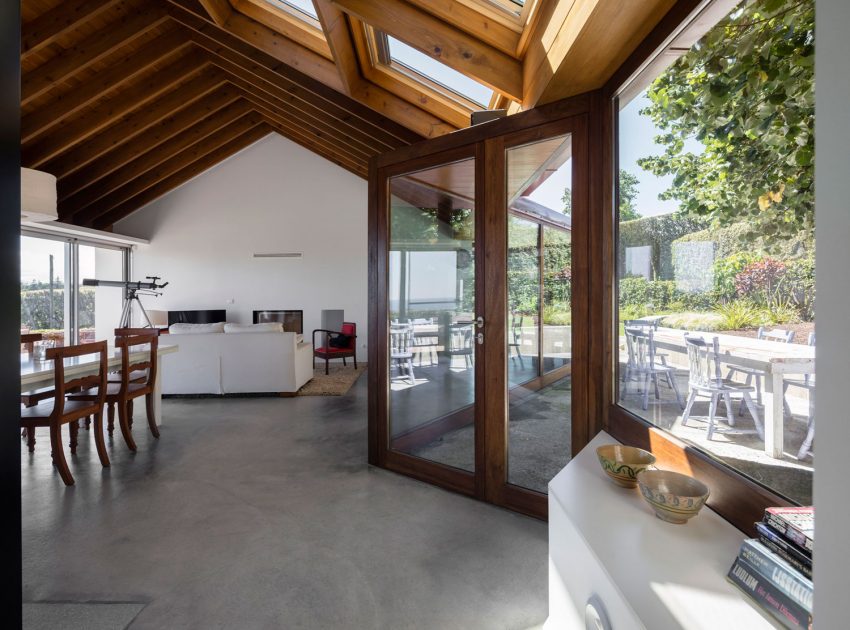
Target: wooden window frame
{"type": "Point", "coordinates": [737, 498]}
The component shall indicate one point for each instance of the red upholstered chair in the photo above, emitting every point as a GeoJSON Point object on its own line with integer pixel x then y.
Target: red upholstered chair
{"type": "Point", "coordinates": [336, 344]}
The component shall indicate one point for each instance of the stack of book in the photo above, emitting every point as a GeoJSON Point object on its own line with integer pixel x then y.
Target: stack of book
{"type": "Point", "coordinates": [775, 569]}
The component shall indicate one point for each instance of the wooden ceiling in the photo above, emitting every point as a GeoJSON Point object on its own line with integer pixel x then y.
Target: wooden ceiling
{"type": "Point", "coordinates": [123, 100]}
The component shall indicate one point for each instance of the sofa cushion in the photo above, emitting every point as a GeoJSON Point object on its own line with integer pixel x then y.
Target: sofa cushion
{"type": "Point", "coordinates": [254, 328]}
{"type": "Point", "coordinates": [196, 329]}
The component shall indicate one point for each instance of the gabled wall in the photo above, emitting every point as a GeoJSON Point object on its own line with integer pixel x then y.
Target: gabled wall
{"type": "Point", "coordinates": [272, 197]}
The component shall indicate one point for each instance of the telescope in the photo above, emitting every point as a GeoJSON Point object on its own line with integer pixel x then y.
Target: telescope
{"type": "Point", "coordinates": [133, 288]}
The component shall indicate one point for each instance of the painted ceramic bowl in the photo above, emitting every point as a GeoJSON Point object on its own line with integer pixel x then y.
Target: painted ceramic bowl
{"type": "Point", "coordinates": [623, 463]}
{"type": "Point", "coordinates": [674, 497]}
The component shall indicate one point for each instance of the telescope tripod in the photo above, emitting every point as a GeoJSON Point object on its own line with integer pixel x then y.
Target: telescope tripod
{"type": "Point", "coordinates": [127, 313]}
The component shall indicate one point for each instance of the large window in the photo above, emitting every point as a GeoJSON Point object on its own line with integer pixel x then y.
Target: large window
{"type": "Point", "coordinates": [53, 299]}
{"type": "Point", "coordinates": [716, 247]}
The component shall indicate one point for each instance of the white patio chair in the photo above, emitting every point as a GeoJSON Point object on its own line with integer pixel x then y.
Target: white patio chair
{"type": "Point", "coordinates": [705, 379]}
{"type": "Point", "coordinates": [516, 338]}
{"type": "Point", "coordinates": [639, 324]}
{"type": "Point", "coordinates": [807, 383]}
{"type": "Point", "coordinates": [401, 354]}
{"type": "Point", "coordinates": [645, 368]}
{"type": "Point", "coordinates": [460, 342]}
{"type": "Point", "coordinates": [777, 334]}
{"type": "Point", "coordinates": [426, 342]}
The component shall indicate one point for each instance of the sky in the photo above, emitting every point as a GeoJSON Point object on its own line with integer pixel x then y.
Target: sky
{"type": "Point", "coordinates": [35, 260]}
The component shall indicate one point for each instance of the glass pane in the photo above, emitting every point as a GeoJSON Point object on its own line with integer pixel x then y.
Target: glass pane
{"type": "Point", "coordinates": [432, 308]}
{"type": "Point", "coordinates": [539, 311]}
{"type": "Point", "coordinates": [716, 241]}
{"type": "Point", "coordinates": [99, 308]}
{"type": "Point", "coordinates": [43, 291]}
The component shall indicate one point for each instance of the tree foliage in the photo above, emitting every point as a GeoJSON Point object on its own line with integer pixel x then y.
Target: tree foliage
{"type": "Point", "coordinates": [628, 194]}
{"type": "Point", "coordinates": [746, 92]}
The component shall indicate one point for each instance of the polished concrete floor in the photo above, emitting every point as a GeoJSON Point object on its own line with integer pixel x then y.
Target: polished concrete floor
{"type": "Point", "coordinates": [261, 513]}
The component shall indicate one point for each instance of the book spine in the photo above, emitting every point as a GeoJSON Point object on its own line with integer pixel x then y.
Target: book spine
{"type": "Point", "coordinates": [794, 536]}
{"type": "Point", "coordinates": [778, 573]}
{"type": "Point", "coordinates": [791, 549]}
{"type": "Point", "coordinates": [787, 612]}
{"type": "Point", "coordinates": [794, 562]}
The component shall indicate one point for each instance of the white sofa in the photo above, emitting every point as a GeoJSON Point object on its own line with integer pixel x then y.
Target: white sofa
{"type": "Point", "coordinates": [235, 362]}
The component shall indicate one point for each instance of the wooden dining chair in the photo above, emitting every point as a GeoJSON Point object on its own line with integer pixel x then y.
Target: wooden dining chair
{"type": "Point", "coordinates": [32, 398]}
{"type": "Point", "coordinates": [121, 393]}
{"type": "Point", "coordinates": [65, 410]}
{"type": "Point", "coordinates": [137, 376]}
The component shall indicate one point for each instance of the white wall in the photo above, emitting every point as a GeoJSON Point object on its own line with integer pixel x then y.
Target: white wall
{"type": "Point", "coordinates": [273, 196]}
{"type": "Point", "coordinates": [832, 439]}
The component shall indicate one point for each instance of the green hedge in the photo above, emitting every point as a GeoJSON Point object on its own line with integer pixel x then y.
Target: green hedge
{"type": "Point", "coordinates": [35, 309]}
{"type": "Point", "coordinates": [738, 237]}
{"type": "Point", "coordinates": [658, 232]}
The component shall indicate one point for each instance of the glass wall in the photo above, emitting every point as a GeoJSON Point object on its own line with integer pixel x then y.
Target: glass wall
{"type": "Point", "coordinates": [45, 303]}
{"type": "Point", "coordinates": [539, 310]}
{"type": "Point", "coordinates": [716, 246]}
{"type": "Point", "coordinates": [432, 332]}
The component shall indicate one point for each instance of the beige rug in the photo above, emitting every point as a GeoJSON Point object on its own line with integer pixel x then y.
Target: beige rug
{"type": "Point", "coordinates": [336, 383]}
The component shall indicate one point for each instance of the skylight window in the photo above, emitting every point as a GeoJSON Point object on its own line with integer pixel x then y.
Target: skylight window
{"type": "Point", "coordinates": [437, 72]}
{"type": "Point", "coordinates": [304, 7]}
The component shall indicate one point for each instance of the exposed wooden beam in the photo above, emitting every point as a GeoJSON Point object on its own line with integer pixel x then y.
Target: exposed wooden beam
{"type": "Point", "coordinates": [289, 26]}
{"type": "Point", "coordinates": [51, 25]}
{"type": "Point", "coordinates": [165, 169]}
{"type": "Point", "coordinates": [122, 153]}
{"type": "Point", "coordinates": [134, 124]}
{"type": "Point", "coordinates": [191, 170]}
{"type": "Point", "coordinates": [219, 10]}
{"type": "Point", "coordinates": [338, 37]}
{"type": "Point", "coordinates": [91, 50]}
{"type": "Point", "coordinates": [476, 23]}
{"type": "Point", "coordinates": [125, 69]}
{"type": "Point", "coordinates": [375, 105]}
{"type": "Point", "coordinates": [442, 41]}
{"type": "Point", "coordinates": [563, 57]}
{"type": "Point", "coordinates": [70, 205]}
{"type": "Point", "coordinates": [109, 111]}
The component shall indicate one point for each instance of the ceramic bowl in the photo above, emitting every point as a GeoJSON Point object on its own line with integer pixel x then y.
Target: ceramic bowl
{"type": "Point", "coordinates": [674, 497]}
{"type": "Point", "coordinates": [623, 463]}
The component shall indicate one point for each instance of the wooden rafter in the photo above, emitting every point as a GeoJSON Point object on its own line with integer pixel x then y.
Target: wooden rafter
{"type": "Point", "coordinates": [91, 50]}
{"type": "Point", "coordinates": [50, 26]}
{"type": "Point", "coordinates": [287, 25]}
{"type": "Point", "coordinates": [442, 41]}
{"type": "Point", "coordinates": [191, 170]}
{"type": "Point", "coordinates": [219, 10]}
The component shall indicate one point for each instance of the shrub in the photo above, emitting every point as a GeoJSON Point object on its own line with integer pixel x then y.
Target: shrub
{"type": "Point", "coordinates": [779, 310]}
{"type": "Point", "coordinates": [740, 314]}
{"type": "Point", "coordinates": [759, 279]}
{"type": "Point", "coordinates": [694, 321]}
{"type": "Point", "coordinates": [725, 271]}
{"type": "Point", "coordinates": [652, 295]}
{"type": "Point", "coordinates": [557, 314]}
{"type": "Point", "coordinates": [798, 285]}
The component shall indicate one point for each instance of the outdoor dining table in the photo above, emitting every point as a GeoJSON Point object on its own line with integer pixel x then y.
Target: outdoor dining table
{"type": "Point", "coordinates": [774, 358]}
{"type": "Point", "coordinates": [37, 373]}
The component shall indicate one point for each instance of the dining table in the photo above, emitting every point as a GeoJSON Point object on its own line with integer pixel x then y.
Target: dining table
{"type": "Point", "coordinates": [38, 373]}
{"type": "Point", "coordinates": [775, 358]}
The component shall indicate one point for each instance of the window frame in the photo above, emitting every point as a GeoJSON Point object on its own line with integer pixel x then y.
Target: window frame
{"type": "Point", "coordinates": [737, 498]}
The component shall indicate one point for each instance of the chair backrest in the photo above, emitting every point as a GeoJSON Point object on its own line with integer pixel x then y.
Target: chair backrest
{"type": "Point", "coordinates": [641, 323]}
{"type": "Point", "coordinates": [131, 332]}
{"type": "Point", "coordinates": [460, 338]}
{"type": "Point", "coordinates": [350, 329]}
{"type": "Point", "coordinates": [401, 338]}
{"type": "Point", "coordinates": [28, 339]}
{"type": "Point", "coordinates": [777, 334]}
{"type": "Point", "coordinates": [641, 347]}
{"type": "Point", "coordinates": [63, 385]}
{"type": "Point", "coordinates": [516, 327]}
{"type": "Point", "coordinates": [129, 345]}
{"type": "Point", "coordinates": [811, 338]}
{"type": "Point", "coordinates": [703, 361]}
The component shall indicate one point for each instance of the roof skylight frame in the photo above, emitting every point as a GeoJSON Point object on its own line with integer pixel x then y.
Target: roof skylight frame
{"type": "Point", "coordinates": [515, 11]}
{"type": "Point", "coordinates": [291, 9]}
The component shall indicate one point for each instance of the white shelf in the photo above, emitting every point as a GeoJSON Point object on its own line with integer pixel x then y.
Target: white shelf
{"type": "Point", "coordinates": [605, 540]}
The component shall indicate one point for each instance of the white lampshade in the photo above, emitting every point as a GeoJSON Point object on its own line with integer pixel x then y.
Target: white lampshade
{"type": "Point", "coordinates": [38, 196]}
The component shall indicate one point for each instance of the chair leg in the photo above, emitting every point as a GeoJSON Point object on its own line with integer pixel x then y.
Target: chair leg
{"type": "Point", "coordinates": [110, 418]}
{"type": "Point", "coordinates": [59, 454]}
{"type": "Point", "coordinates": [88, 422]}
{"type": "Point", "coordinates": [646, 379]}
{"type": "Point", "coordinates": [99, 442]}
{"type": "Point", "coordinates": [712, 409]}
{"type": "Point", "coordinates": [748, 400]}
{"type": "Point", "coordinates": [410, 371]}
{"type": "Point", "coordinates": [151, 416]}
{"type": "Point", "coordinates": [654, 378]}
{"type": "Point", "coordinates": [354, 356]}
{"type": "Point", "coordinates": [125, 427]}
{"type": "Point", "coordinates": [730, 412]}
{"type": "Point", "coordinates": [130, 413]}
{"type": "Point", "coordinates": [671, 378]}
{"type": "Point", "coordinates": [806, 446]}
{"type": "Point", "coordinates": [326, 367]}
{"type": "Point", "coordinates": [73, 429]}
{"type": "Point", "coordinates": [687, 413]}
{"type": "Point", "coordinates": [31, 439]}
{"type": "Point", "coordinates": [758, 389]}
{"type": "Point", "coordinates": [344, 364]}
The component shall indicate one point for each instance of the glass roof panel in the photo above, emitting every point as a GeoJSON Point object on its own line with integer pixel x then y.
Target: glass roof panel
{"type": "Point", "coordinates": [302, 6]}
{"type": "Point", "coordinates": [438, 72]}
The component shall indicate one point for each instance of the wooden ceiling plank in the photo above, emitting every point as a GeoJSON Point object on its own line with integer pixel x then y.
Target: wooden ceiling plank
{"type": "Point", "coordinates": [287, 25]}
{"type": "Point", "coordinates": [295, 135]}
{"type": "Point", "coordinates": [70, 205]}
{"type": "Point", "coordinates": [132, 125]}
{"type": "Point", "coordinates": [94, 48]}
{"type": "Point", "coordinates": [125, 69]}
{"type": "Point", "coordinates": [172, 164]}
{"type": "Point", "coordinates": [442, 41]}
{"type": "Point", "coordinates": [377, 107]}
{"type": "Point", "coordinates": [187, 173]}
{"type": "Point", "coordinates": [476, 23]}
{"type": "Point", "coordinates": [49, 26]}
{"type": "Point", "coordinates": [94, 120]}
{"type": "Point", "coordinates": [219, 10]}
{"type": "Point", "coordinates": [122, 154]}
{"type": "Point", "coordinates": [338, 37]}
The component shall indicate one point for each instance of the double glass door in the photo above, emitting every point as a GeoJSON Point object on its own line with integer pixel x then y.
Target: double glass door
{"type": "Point", "coordinates": [475, 389]}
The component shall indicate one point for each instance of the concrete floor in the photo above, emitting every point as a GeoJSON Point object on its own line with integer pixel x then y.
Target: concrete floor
{"type": "Point", "coordinates": [261, 513]}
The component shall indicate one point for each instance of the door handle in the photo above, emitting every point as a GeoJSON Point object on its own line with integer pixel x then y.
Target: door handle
{"type": "Point", "coordinates": [479, 338]}
{"type": "Point", "coordinates": [479, 322]}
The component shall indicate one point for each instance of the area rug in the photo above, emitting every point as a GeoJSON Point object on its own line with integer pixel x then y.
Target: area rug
{"type": "Point", "coordinates": [336, 383]}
